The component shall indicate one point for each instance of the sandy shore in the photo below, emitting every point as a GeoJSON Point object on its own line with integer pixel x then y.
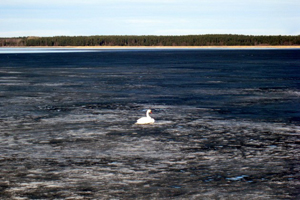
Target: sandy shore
{"type": "Point", "coordinates": [166, 47]}
{"type": "Point", "coordinates": [190, 47]}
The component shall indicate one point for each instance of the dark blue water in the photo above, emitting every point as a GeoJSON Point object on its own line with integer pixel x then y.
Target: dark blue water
{"type": "Point", "coordinates": [224, 119]}
{"type": "Point", "coordinates": [255, 84]}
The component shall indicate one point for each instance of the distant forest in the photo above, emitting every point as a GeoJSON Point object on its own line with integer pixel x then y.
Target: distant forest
{"type": "Point", "coordinates": [189, 40]}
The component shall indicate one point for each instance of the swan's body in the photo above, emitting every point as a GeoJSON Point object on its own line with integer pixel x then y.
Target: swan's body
{"type": "Point", "coordinates": [147, 119]}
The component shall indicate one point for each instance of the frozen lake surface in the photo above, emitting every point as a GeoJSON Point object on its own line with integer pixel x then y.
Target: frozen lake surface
{"type": "Point", "coordinates": [227, 124]}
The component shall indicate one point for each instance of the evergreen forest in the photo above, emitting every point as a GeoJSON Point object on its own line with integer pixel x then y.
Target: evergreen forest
{"type": "Point", "coordinates": [148, 40]}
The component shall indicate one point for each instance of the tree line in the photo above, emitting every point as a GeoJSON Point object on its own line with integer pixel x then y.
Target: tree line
{"type": "Point", "coordinates": [188, 40]}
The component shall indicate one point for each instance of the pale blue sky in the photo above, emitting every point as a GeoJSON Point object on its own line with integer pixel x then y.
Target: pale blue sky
{"type": "Point", "coordinates": [148, 17]}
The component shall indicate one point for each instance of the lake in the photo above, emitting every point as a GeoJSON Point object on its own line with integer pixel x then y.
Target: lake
{"type": "Point", "coordinates": [227, 123]}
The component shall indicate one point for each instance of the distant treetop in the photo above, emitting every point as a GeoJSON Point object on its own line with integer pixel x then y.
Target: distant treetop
{"type": "Point", "coordinates": [149, 40]}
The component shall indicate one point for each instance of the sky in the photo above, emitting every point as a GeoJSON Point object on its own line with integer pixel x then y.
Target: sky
{"type": "Point", "coordinates": [20, 18]}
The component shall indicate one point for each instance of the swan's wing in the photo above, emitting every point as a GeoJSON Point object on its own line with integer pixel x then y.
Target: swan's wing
{"type": "Point", "coordinates": [141, 120]}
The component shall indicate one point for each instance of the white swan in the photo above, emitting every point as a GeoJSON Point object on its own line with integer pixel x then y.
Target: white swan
{"type": "Point", "coordinates": [147, 119]}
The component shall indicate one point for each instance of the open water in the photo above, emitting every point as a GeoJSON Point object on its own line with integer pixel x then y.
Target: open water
{"type": "Point", "coordinates": [227, 124]}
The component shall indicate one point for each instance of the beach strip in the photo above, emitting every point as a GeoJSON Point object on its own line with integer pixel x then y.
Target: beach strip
{"type": "Point", "coordinates": [161, 47]}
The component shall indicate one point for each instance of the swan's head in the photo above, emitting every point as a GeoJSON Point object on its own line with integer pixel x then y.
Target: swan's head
{"type": "Point", "coordinates": [149, 111]}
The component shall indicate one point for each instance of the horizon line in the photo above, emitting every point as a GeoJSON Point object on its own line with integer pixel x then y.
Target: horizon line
{"type": "Point", "coordinates": [144, 35]}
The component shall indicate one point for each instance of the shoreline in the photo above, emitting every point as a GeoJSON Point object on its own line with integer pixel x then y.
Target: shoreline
{"type": "Point", "coordinates": [159, 47]}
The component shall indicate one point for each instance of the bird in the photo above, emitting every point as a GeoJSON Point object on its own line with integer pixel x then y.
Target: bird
{"type": "Point", "coordinates": [147, 119]}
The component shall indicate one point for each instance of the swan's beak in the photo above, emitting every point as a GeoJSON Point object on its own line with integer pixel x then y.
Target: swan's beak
{"type": "Point", "coordinates": [150, 112]}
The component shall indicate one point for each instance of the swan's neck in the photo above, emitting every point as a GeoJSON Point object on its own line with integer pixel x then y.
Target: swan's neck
{"type": "Point", "coordinates": [148, 116]}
